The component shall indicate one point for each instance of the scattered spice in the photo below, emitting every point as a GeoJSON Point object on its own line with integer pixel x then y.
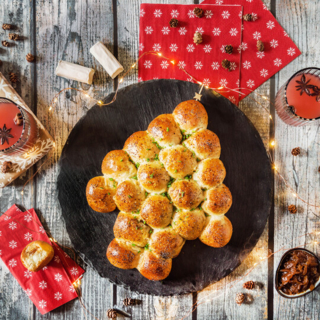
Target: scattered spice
{"type": "Point", "coordinates": [30, 57]}
{"type": "Point", "coordinates": [7, 26]}
{"type": "Point", "coordinates": [225, 64]}
{"type": "Point", "coordinates": [292, 209]}
{"type": "Point", "coordinates": [14, 36]}
{"type": "Point", "coordinates": [228, 49]}
{"type": "Point", "coordinates": [240, 297]}
{"type": "Point", "coordinates": [249, 285]}
{"type": "Point", "coordinates": [131, 302]}
{"type": "Point", "coordinates": [260, 45]}
{"type": "Point", "coordinates": [197, 38]}
{"type": "Point", "coordinates": [5, 43]}
{"type": "Point", "coordinates": [18, 120]}
{"type": "Point", "coordinates": [248, 17]}
{"type": "Point", "coordinates": [295, 151]}
{"type": "Point", "coordinates": [6, 166]}
{"type": "Point", "coordinates": [13, 77]}
{"type": "Point", "coordinates": [112, 314]}
{"type": "Point", "coordinates": [173, 23]}
{"type": "Point", "coordinates": [198, 12]}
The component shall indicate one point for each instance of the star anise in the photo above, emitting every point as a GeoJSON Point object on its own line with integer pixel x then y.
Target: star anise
{"type": "Point", "coordinates": [303, 86]}
{"type": "Point", "coordinates": [5, 135]}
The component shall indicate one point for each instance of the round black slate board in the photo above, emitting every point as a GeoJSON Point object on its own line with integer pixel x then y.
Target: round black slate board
{"type": "Point", "coordinates": [104, 129]}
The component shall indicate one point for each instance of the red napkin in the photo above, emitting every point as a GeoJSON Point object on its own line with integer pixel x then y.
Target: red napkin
{"type": "Point", "coordinates": [50, 287]}
{"type": "Point", "coordinates": [220, 26]}
{"type": "Point", "coordinates": [258, 67]}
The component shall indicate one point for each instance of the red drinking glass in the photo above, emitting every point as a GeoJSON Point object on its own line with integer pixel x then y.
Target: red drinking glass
{"type": "Point", "coordinates": [298, 100]}
{"type": "Point", "coordinates": [16, 138]}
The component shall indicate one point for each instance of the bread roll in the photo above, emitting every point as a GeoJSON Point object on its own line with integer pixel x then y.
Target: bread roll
{"type": "Point", "coordinates": [217, 232]}
{"type": "Point", "coordinates": [154, 267]}
{"type": "Point", "coordinates": [153, 177]}
{"type": "Point", "coordinates": [123, 255]}
{"type": "Point", "coordinates": [157, 211]}
{"type": "Point", "coordinates": [185, 194]}
{"type": "Point", "coordinates": [178, 161]}
{"type": "Point", "coordinates": [218, 200]}
{"type": "Point", "coordinates": [130, 228]}
{"type": "Point", "coordinates": [36, 255]}
{"type": "Point", "coordinates": [100, 193]}
{"type": "Point", "coordinates": [129, 196]}
{"type": "Point", "coordinates": [141, 148]}
{"type": "Point", "coordinates": [189, 224]}
{"type": "Point", "coordinates": [117, 165]}
{"type": "Point", "coordinates": [205, 144]}
{"type": "Point", "coordinates": [191, 116]}
{"type": "Point", "coordinates": [164, 130]}
{"type": "Point", "coordinates": [210, 173]}
{"type": "Point", "coordinates": [166, 243]}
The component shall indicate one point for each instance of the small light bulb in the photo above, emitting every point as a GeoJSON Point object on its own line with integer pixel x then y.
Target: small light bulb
{"type": "Point", "coordinates": [270, 116]}
{"type": "Point", "coordinates": [207, 87]}
{"type": "Point", "coordinates": [87, 95]}
{"type": "Point", "coordinates": [264, 97]}
{"type": "Point", "coordinates": [172, 62]}
{"type": "Point", "coordinates": [220, 88]}
{"type": "Point", "coordinates": [22, 192]}
{"type": "Point", "coordinates": [54, 144]}
{"type": "Point", "coordinates": [294, 194]}
{"type": "Point", "coordinates": [133, 65]}
{"type": "Point", "coordinates": [275, 168]}
{"type": "Point", "coordinates": [120, 80]}
{"type": "Point", "coordinates": [55, 100]}
{"type": "Point", "coordinates": [199, 82]}
{"type": "Point", "coordinates": [50, 108]}
{"type": "Point", "coordinates": [273, 143]}
{"type": "Point", "coordinates": [100, 102]}
{"type": "Point", "coordinates": [159, 54]}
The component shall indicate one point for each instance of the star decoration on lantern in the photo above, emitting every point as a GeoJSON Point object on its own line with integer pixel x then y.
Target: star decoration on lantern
{"type": "Point", "coordinates": [197, 96]}
{"type": "Point", "coordinates": [5, 135]}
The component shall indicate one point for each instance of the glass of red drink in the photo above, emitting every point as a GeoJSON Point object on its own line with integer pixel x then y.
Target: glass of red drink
{"type": "Point", "coordinates": [298, 100]}
{"type": "Point", "coordinates": [18, 129]}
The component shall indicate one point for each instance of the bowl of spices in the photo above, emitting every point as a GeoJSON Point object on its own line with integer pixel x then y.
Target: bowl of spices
{"type": "Point", "coordinates": [298, 273]}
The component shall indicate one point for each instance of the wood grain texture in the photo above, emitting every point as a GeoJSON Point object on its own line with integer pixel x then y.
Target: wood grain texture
{"type": "Point", "coordinates": [299, 18]}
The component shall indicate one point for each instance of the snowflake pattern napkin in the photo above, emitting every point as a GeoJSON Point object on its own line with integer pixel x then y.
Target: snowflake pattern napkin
{"type": "Point", "coordinates": [220, 26]}
{"type": "Point", "coordinates": [50, 287]}
{"type": "Point", "coordinates": [257, 67]}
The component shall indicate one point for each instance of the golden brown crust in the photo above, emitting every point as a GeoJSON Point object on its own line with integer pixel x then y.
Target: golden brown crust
{"type": "Point", "coordinates": [157, 211]}
{"type": "Point", "coordinates": [218, 200]}
{"type": "Point", "coordinates": [129, 196]}
{"type": "Point", "coordinates": [210, 173]}
{"type": "Point", "coordinates": [140, 147]}
{"type": "Point", "coordinates": [36, 255]}
{"type": "Point", "coordinates": [130, 228]}
{"type": "Point", "coordinates": [218, 232]}
{"type": "Point", "coordinates": [153, 267]}
{"type": "Point", "coordinates": [165, 130]}
{"type": "Point", "coordinates": [123, 255]}
{"type": "Point", "coordinates": [178, 161]}
{"type": "Point", "coordinates": [153, 177]}
{"type": "Point", "coordinates": [117, 165]}
{"type": "Point", "coordinates": [189, 224]}
{"type": "Point", "coordinates": [100, 194]}
{"type": "Point", "coordinates": [166, 243]}
{"type": "Point", "coordinates": [185, 194]}
{"type": "Point", "coordinates": [191, 116]}
{"type": "Point", "coordinates": [205, 144]}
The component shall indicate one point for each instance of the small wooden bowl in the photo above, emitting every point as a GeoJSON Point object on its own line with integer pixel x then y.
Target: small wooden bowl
{"type": "Point", "coordinates": [276, 280]}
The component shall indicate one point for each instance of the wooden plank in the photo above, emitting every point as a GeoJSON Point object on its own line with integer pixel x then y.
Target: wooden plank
{"type": "Point", "coordinates": [298, 18]}
{"type": "Point", "coordinates": [14, 303]}
{"type": "Point", "coordinates": [65, 31]}
{"type": "Point", "coordinates": [128, 42]}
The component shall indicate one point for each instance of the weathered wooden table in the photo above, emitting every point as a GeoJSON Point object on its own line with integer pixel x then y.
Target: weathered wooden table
{"type": "Point", "coordinates": [66, 29]}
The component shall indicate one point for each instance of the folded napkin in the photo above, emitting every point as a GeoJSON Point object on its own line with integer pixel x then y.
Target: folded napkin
{"type": "Point", "coordinates": [257, 67]}
{"type": "Point", "coordinates": [220, 26]}
{"type": "Point", "coordinates": [50, 287]}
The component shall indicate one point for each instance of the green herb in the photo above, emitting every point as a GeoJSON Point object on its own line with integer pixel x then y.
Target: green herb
{"type": "Point", "coordinates": [156, 157]}
{"type": "Point", "coordinates": [114, 185]}
{"type": "Point", "coordinates": [150, 231]}
{"type": "Point", "coordinates": [162, 165]}
{"type": "Point", "coordinates": [129, 196]}
{"type": "Point", "coordinates": [108, 193]}
{"type": "Point", "coordinates": [193, 154]}
{"type": "Point", "coordinates": [151, 175]}
{"type": "Point", "coordinates": [184, 150]}
{"type": "Point", "coordinates": [176, 171]}
{"type": "Point", "coordinates": [144, 222]}
{"type": "Point", "coordinates": [101, 188]}
{"type": "Point", "coordinates": [110, 179]}
{"type": "Point", "coordinates": [146, 194]}
{"type": "Point", "coordinates": [121, 160]}
{"type": "Point", "coordinates": [133, 244]}
{"type": "Point", "coordinates": [149, 182]}
{"type": "Point", "coordinates": [139, 251]}
{"type": "Point", "coordinates": [148, 149]}
{"type": "Point", "coordinates": [148, 159]}
{"type": "Point", "coordinates": [135, 178]}
{"type": "Point", "coordinates": [182, 194]}
{"type": "Point", "coordinates": [146, 246]}
{"type": "Point", "coordinates": [137, 165]}
{"type": "Point", "coordinates": [167, 129]}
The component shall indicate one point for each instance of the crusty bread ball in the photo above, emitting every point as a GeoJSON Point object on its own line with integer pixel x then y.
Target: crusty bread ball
{"type": "Point", "coordinates": [186, 194]}
{"type": "Point", "coordinates": [166, 243]}
{"type": "Point", "coordinates": [153, 177]}
{"type": "Point", "coordinates": [130, 228]}
{"type": "Point", "coordinates": [205, 144]}
{"type": "Point", "coordinates": [157, 211]}
{"type": "Point", "coordinates": [164, 130]}
{"type": "Point", "coordinates": [99, 193]}
{"type": "Point", "coordinates": [129, 196]}
{"type": "Point", "coordinates": [117, 165]}
{"type": "Point", "coordinates": [123, 255]}
{"type": "Point", "coordinates": [218, 200]}
{"type": "Point", "coordinates": [210, 173]}
{"type": "Point", "coordinates": [178, 161]}
{"type": "Point", "coordinates": [190, 116]}
{"type": "Point", "coordinates": [217, 232]}
{"type": "Point", "coordinates": [141, 148]}
{"type": "Point", "coordinates": [154, 267]}
{"type": "Point", "coordinates": [189, 224]}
